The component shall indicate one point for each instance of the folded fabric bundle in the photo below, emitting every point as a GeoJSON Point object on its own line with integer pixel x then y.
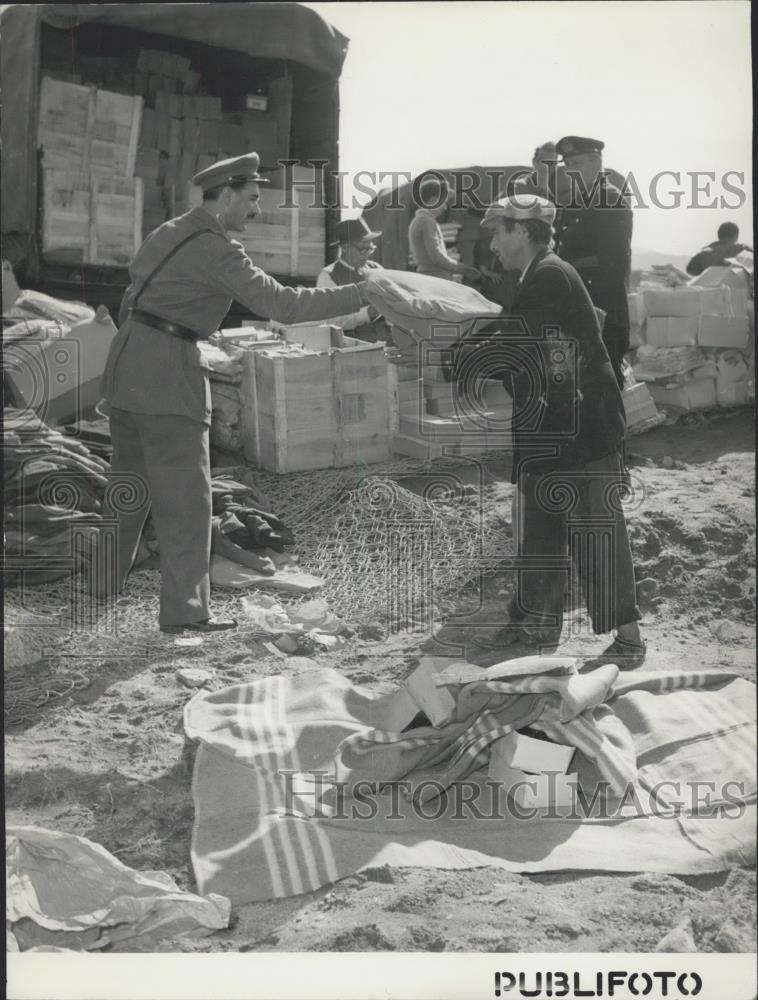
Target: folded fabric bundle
{"type": "Point", "coordinates": [32, 305]}
{"type": "Point", "coordinates": [425, 306]}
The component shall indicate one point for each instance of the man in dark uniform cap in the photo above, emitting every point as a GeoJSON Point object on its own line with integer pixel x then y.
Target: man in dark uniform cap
{"type": "Point", "coordinates": [356, 242]}
{"type": "Point", "coordinates": [594, 234]}
{"type": "Point", "coordinates": [183, 280]}
{"type": "Point", "coordinates": [568, 432]}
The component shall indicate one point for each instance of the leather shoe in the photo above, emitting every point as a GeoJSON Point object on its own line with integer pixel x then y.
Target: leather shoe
{"type": "Point", "coordinates": [208, 625]}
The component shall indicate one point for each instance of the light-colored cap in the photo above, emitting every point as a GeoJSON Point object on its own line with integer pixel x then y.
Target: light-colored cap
{"type": "Point", "coordinates": [520, 207]}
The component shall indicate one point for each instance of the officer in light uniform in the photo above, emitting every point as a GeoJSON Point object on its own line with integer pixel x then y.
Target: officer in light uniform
{"type": "Point", "coordinates": [183, 281]}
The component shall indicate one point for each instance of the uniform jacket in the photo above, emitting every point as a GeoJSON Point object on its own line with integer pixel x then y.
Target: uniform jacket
{"type": "Point", "coordinates": [597, 241]}
{"type": "Point", "coordinates": [428, 246]}
{"type": "Point", "coordinates": [149, 371]}
{"type": "Point", "coordinates": [567, 404]}
{"type": "Point", "coordinates": [338, 274]}
{"type": "Point", "coordinates": [714, 255]}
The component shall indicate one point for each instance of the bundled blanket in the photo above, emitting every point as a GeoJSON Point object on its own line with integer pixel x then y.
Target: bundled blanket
{"type": "Point", "coordinates": [300, 781]}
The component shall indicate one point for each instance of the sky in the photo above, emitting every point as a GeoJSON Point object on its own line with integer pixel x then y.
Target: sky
{"type": "Point", "coordinates": [666, 85]}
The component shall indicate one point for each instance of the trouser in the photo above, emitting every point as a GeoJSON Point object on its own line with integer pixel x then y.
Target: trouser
{"type": "Point", "coordinates": [169, 455]}
{"type": "Point", "coordinates": [567, 518]}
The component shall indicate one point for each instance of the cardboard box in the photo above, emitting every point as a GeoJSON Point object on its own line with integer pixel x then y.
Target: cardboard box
{"type": "Point", "coordinates": [147, 164]}
{"type": "Point", "coordinates": [636, 302]}
{"type": "Point", "coordinates": [149, 130]}
{"type": "Point", "coordinates": [729, 393]}
{"type": "Point", "coordinates": [638, 404]}
{"type": "Point", "coordinates": [723, 331]}
{"type": "Point", "coordinates": [437, 703]}
{"type": "Point", "coordinates": [672, 331]}
{"type": "Point", "coordinates": [538, 756]}
{"type": "Point", "coordinates": [682, 301]}
{"type": "Point", "coordinates": [735, 277]}
{"type": "Point", "coordinates": [696, 395]}
{"type": "Point", "coordinates": [207, 137]}
{"type": "Point", "coordinates": [529, 790]}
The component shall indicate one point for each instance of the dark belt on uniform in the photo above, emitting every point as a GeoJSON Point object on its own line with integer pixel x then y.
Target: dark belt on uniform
{"type": "Point", "coordinates": [174, 329]}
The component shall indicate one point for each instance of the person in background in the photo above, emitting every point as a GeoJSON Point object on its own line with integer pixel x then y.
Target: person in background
{"type": "Point", "coordinates": [356, 243]}
{"type": "Point", "coordinates": [717, 253]}
{"type": "Point", "coordinates": [425, 236]}
{"type": "Point", "coordinates": [184, 278]}
{"type": "Point", "coordinates": [568, 434]}
{"type": "Point", "coordinates": [595, 236]}
{"type": "Point", "coordinates": [593, 231]}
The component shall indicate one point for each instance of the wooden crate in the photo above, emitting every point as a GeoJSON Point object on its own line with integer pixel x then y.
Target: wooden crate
{"type": "Point", "coordinates": [86, 129]}
{"type": "Point", "coordinates": [317, 410]}
{"type": "Point", "coordinates": [115, 220]}
{"type": "Point", "coordinates": [90, 219]}
{"type": "Point", "coordinates": [287, 240]}
{"type": "Point", "coordinates": [66, 216]}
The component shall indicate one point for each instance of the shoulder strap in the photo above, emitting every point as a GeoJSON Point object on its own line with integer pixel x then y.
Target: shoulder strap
{"type": "Point", "coordinates": [165, 261]}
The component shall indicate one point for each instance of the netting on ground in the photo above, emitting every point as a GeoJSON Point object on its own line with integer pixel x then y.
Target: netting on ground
{"type": "Point", "coordinates": [386, 553]}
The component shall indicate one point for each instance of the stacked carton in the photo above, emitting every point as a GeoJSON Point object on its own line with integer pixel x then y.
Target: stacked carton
{"type": "Point", "coordinates": [92, 203]}
{"type": "Point", "coordinates": [685, 330]}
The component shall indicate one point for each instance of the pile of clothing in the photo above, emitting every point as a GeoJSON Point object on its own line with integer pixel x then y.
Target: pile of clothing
{"type": "Point", "coordinates": [52, 483]}
{"type": "Point", "coordinates": [243, 530]}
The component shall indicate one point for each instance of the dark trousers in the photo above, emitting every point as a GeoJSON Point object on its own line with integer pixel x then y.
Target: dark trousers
{"type": "Point", "coordinates": [574, 518]}
{"type": "Point", "coordinates": [165, 465]}
{"type": "Point", "coordinates": [616, 340]}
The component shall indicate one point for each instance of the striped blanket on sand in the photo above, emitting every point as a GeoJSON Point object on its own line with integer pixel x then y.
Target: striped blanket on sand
{"type": "Point", "coordinates": [299, 780]}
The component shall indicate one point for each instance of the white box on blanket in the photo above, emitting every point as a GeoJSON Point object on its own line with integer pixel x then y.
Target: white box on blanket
{"type": "Point", "coordinates": [437, 703]}
{"type": "Point", "coordinates": [529, 791]}
{"type": "Point", "coordinates": [541, 791]}
{"type": "Point", "coordinates": [537, 756]}
{"type": "Point", "coordinates": [398, 711]}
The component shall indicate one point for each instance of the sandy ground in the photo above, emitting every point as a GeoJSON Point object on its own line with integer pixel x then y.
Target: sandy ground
{"type": "Point", "coordinates": [109, 762]}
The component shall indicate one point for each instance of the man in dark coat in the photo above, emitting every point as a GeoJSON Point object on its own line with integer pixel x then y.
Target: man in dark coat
{"type": "Point", "coordinates": [183, 280]}
{"type": "Point", "coordinates": [716, 254]}
{"type": "Point", "coordinates": [568, 432]}
{"type": "Point", "coordinates": [594, 234]}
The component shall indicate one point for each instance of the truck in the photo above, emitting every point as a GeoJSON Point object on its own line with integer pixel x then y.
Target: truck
{"type": "Point", "coordinates": [232, 76]}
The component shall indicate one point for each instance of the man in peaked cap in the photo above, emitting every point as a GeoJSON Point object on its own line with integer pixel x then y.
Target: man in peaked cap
{"type": "Point", "coordinates": [594, 233]}
{"type": "Point", "coordinates": [357, 243]}
{"type": "Point", "coordinates": [184, 278]}
{"type": "Point", "coordinates": [568, 430]}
